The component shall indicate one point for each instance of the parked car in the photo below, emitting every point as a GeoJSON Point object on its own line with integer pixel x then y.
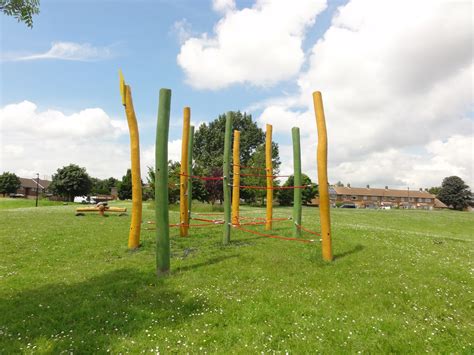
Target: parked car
{"type": "Point", "coordinates": [85, 199]}
{"type": "Point", "coordinates": [17, 195]}
{"type": "Point", "coordinates": [348, 205]}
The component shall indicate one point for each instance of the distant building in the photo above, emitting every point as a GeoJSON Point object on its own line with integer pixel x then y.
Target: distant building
{"type": "Point", "coordinates": [28, 187]}
{"type": "Point", "coordinates": [384, 198]}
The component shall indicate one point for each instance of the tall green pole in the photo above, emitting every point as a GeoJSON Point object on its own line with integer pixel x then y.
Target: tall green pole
{"type": "Point", "coordinates": [190, 170]}
{"type": "Point", "coordinates": [295, 134]}
{"type": "Point", "coordinates": [161, 184]}
{"type": "Point", "coordinates": [226, 181]}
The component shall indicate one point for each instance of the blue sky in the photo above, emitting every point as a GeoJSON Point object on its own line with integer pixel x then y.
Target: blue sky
{"type": "Point", "coordinates": [265, 57]}
{"type": "Point", "coordinates": [143, 43]}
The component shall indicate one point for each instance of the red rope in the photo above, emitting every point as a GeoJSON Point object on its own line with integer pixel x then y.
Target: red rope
{"type": "Point", "coordinates": [207, 220]}
{"type": "Point", "coordinates": [196, 225]}
{"type": "Point", "coordinates": [307, 230]}
{"type": "Point", "coordinates": [273, 188]}
{"type": "Point", "coordinates": [265, 176]}
{"type": "Point", "coordinates": [262, 222]}
{"type": "Point", "coordinates": [203, 177]}
{"type": "Point", "coordinates": [275, 236]}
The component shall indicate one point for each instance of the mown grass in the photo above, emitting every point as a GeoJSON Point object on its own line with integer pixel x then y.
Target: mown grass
{"type": "Point", "coordinates": [401, 282]}
{"type": "Point", "coordinates": [6, 202]}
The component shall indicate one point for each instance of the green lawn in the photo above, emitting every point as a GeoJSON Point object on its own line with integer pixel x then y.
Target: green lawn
{"type": "Point", "coordinates": [401, 281]}
{"type": "Point", "coordinates": [6, 202]}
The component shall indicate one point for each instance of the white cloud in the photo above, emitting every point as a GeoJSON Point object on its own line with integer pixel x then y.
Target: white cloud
{"type": "Point", "coordinates": [223, 6]}
{"type": "Point", "coordinates": [396, 78]}
{"type": "Point", "coordinates": [70, 51]}
{"type": "Point", "coordinates": [42, 141]}
{"type": "Point", "coordinates": [261, 45]}
{"type": "Point", "coordinates": [182, 30]}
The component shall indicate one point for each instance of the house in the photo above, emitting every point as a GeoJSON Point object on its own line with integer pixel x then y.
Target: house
{"type": "Point", "coordinates": [28, 187]}
{"type": "Point", "coordinates": [384, 198]}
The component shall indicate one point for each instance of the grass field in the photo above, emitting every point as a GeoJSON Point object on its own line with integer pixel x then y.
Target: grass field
{"type": "Point", "coordinates": [401, 281]}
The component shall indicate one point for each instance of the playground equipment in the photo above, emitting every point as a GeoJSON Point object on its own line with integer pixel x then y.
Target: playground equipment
{"type": "Point", "coordinates": [135, 224]}
{"type": "Point", "coordinates": [322, 158]}
{"type": "Point", "coordinates": [161, 184]}
{"type": "Point", "coordinates": [101, 209]}
{"type": "Point", "coordinates": [231, 217]}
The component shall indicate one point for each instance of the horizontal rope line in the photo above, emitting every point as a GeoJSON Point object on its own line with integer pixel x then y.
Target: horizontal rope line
{"type": "Point", "coordinates": [307, 230]}
{"type": "Point", "coordinates": [274, 187]}
{"type": "Point", "coordinates": [265, 176]}
{"type": "Point", "coordinates": [203, 177]}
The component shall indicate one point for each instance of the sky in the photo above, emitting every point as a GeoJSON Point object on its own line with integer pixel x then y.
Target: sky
{"type": "Point", "coordinates": [396, 78]}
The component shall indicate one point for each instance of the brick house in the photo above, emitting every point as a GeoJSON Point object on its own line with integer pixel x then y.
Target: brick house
{"type": "Point", "coordinates": [384, 198]}
{"type": "Point", "coordinates": [28, 187]}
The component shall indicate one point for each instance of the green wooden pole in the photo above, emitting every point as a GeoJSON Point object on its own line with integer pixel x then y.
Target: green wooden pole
{"type": "Point", "coordinates": [190, 170]}
{"type": "Point", "coordinates": [226, 181]}
{"type": "Point", "coordinates": [161, 184]}
{"type": "Point", "coordinates": [297, 201]}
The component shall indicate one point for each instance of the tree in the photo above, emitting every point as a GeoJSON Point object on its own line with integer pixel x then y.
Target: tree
{"type": "Point", "coordinates": [70, 181]}
{"type": "Point", "coordinates": [257, 160]}
{"type": "Point", "coordinates": [103, 187]}
{"type": "Point", "coordinates": [455, 193]}
{"type": "Point", "coordinates": [215, 188]}
{"type": "Point", "coordinates": [9, 183]}
{"type": "Point", "coordinates": [124, 189]}
{"type": "Point", "coordinates": [434, 190]}
{"type": "Point", "coordinates": [285, 197]}
{"type": "Point", "coordinates": [22, 10]}
{"type": "Point", "coordinates": [208, 147]}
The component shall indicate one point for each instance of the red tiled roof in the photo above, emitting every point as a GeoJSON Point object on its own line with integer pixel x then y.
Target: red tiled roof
{"type": "Point", "coordinates": [31, 183]}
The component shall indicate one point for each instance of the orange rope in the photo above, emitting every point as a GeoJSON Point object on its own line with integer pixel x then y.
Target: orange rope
{"type": "Point", "coordinates": [307, 230]}
{"type": "Point", "coordinates": [207, 220]}
{"type": "Point", "coordinates": [196, 225]}
{"type": "Point", "coordinates": [273, 188]}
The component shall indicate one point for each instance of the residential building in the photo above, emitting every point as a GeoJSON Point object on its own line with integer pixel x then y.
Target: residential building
{"type": "Point", "coordinates": [369, 197]}
{"type": "Point", "coordinates": [28, 187]}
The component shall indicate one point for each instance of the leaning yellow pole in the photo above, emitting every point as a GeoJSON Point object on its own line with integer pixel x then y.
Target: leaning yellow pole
{"type": "Point", "coordinates": [322, 156]}
{"type": "Point", "coordinates": [135, 224]}
{"type": "Point", "coordinates": [269, 173]}
{"type": "Point", "coordinates": [236, 180]}
{"type": "Point", "coordinates": [183, 186]}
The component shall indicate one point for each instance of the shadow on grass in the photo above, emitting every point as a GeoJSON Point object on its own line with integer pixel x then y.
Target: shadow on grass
{"type": "Point", "coordinates": [91, 316]}
{"type": "Point", "coordinates": [204, 263]}
{"type": "Point", "coordinates": [356, 249]}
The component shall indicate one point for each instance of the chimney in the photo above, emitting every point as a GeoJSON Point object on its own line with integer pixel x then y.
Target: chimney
{"type": "Point", "coordinates": [349, 185]}
{"type": "Point", "coordinates": [368, 186]}
{"type": "Point", "coordinates": [386, 187]}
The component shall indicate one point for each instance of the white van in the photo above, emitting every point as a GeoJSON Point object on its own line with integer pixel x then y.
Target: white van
{"type": "Point", "coordinates": [84, 199]}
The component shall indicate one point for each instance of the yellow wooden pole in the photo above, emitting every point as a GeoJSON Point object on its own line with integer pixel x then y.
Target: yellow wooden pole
{"type": "Point", "coordinates": [183, 186]}
{"type": "Point", "coordinates": [322, 156]}
{"type": "Point", "coordinates": [269, 173]}
{"type": "Point", "coordinates": [236, 180]}
{"type": "Point", "coordinates": [135, 224]}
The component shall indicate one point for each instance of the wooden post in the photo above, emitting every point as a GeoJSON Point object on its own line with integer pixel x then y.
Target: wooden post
{"type": "Point", "coordinates": [236, 179]}
{"type": "Point", "coordinates": [297, 202]}
{"type": "Point", "coordinates": [183, 178]}
{"type": "Point", "coordinates": [269, 173]}
{"type": "Point", "coordinates": [135, 224]}
{"type": "Point", "coordinates": [226, 180]}
{"type": "Point", "coordinates": [161, 184]}
{"type": "Point", "coordinates": [190, 171]}
{"type": "Point", "coordinates": [322, 156]}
